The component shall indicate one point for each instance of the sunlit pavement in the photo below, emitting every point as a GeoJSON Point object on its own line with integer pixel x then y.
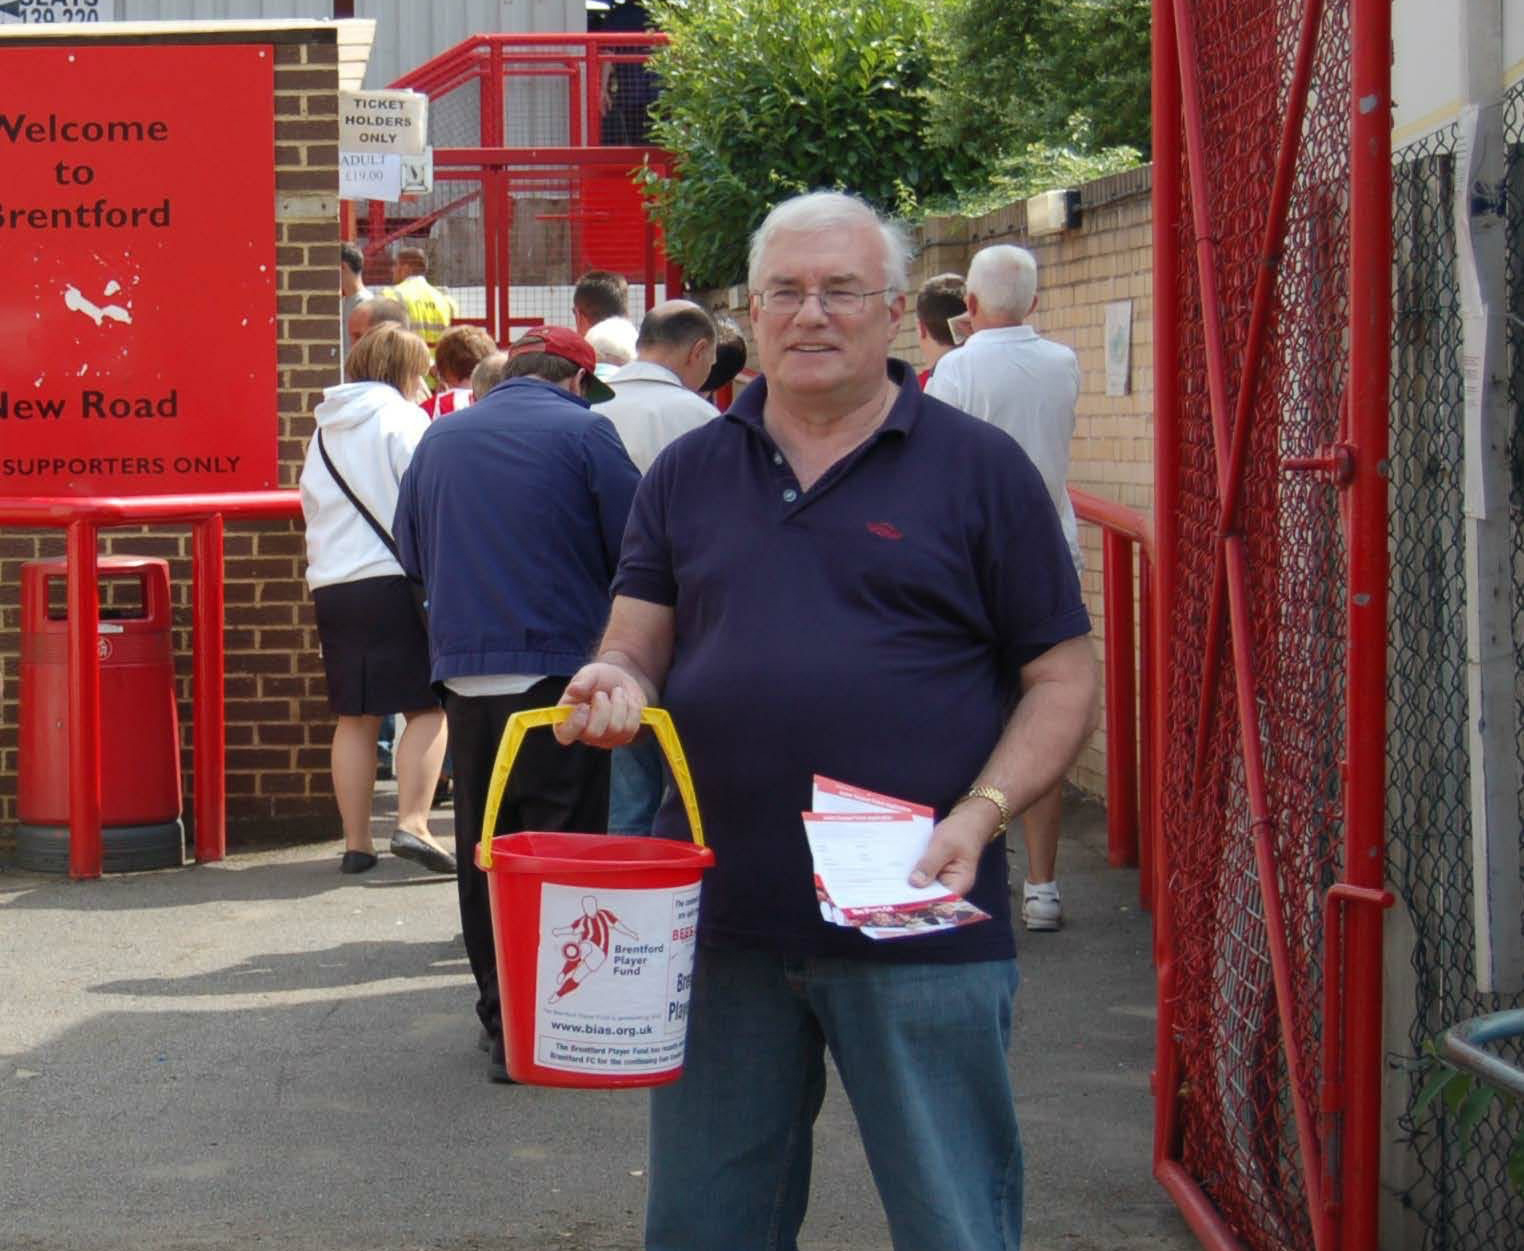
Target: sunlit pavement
{"type": "Point", "coordinates": [262, 1053]}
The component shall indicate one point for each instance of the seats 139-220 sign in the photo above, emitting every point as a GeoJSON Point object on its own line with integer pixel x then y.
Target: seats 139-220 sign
{"type": "Point", "coordinates": [138, 316]}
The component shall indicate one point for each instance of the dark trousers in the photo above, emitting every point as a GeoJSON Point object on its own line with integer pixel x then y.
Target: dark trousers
{"type": "Point", "coordinates": [551, 788]}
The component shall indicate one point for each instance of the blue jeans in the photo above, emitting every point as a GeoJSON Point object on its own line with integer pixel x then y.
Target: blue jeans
{"type": "Point", "coordinates": [921, 1049]}
{"type": "Point", "coordinates": [636, 779]}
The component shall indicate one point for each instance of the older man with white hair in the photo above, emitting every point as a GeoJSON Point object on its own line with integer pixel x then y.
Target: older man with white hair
{"type": "Point", "coordinates": [841, 576]}
{"type": "Point", "coordinates": [613, 339]}
{"type": "Point", "coordinates": [1028, 386]}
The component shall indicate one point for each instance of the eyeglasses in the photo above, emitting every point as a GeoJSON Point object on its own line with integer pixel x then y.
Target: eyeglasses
{"type": "Point", "coordinates": [834, 301]}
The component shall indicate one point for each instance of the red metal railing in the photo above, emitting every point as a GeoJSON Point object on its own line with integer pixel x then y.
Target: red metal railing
{"type": "Point", "coordinates": [1131, 792]}
{"type": "Point", "coordinates": [83, 519]}
{"type": "Point", "coordinates": [579, 59]}
{"type": "Point", "coordinates": [491, 170]}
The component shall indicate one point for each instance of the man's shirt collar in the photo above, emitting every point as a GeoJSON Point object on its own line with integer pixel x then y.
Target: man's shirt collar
{"type": "Point", "coordinates": [524, 385]}
{"type": "Point", "coordinates": [1001, 334]}
{"type": "Point", "coordinates": [644, 371]}
{"type": "Point", "coordinates": [747, 407]}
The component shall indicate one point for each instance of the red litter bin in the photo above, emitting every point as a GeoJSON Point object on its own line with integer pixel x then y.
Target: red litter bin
{"type": "Point", "coordinates": [140, 731]}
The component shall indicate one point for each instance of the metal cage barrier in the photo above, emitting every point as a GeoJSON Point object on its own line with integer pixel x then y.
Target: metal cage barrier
{"type": "Point", "coordinates": [1272, 254]}
{"type": "Point", "coordinates": [534, 183]}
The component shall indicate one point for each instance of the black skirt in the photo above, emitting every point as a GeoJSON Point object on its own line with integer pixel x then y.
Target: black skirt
{"type": "Point", "coordinates": [375, 652]}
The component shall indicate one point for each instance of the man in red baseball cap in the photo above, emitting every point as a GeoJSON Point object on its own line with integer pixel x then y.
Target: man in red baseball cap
{"type": "Point", "coordinates": [511, 513]}
{"type": "Point", "coordinates": [565, 345]}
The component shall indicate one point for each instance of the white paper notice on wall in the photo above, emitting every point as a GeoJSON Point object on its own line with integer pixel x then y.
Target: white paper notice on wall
{"type": "Point", "coordinates": [370, 176]}
{"type": "Point", "coordinates": [383, 121]}
{"type": "Point", "coordinates": [1118, 347]}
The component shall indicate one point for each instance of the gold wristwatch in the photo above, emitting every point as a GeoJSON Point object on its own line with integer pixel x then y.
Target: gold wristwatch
{"type": "Point", "coordinates": [996, 796]}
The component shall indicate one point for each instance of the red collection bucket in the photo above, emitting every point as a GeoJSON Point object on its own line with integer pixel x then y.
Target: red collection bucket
{"type": "Point", "coordinates": [595, 936]}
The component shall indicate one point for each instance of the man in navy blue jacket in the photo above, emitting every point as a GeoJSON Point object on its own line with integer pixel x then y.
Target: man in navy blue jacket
{"type": "Point", "coordinates": [511, 512]}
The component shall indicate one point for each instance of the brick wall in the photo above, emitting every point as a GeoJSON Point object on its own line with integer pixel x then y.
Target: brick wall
{"type": "Point", "coordinates": [1107, 258]}
{"type": "Point", "coordinates": [278, 724]}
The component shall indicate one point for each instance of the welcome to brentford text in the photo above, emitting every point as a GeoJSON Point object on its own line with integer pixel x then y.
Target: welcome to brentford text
{"type": "Point", "coordinates": [98, 214]}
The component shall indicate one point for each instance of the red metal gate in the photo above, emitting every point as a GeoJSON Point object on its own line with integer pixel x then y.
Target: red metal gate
{"type": "Point", "coordinates": [1272, 236]}
{"type": "Point", "coordinates": [526, 199]}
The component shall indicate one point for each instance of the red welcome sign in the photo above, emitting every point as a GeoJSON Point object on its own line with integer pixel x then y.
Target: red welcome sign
{"type": "Point", "coordinates": [137, 218]}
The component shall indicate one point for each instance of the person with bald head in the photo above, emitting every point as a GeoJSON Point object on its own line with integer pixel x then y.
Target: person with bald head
{"type": "Point", "coordinates": [1028, 386]}
{"type": "Point", "coordinates": [656, 395]}
{"type": "Point", "coordinates": [378, 310]}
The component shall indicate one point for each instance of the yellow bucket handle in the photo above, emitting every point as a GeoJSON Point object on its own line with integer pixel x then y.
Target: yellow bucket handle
{"type": "Point", "coordinates": [658, 719]}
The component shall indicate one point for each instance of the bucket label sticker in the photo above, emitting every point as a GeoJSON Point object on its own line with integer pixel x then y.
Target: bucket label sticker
{"type": "Point", "coordinates": [614, 974]}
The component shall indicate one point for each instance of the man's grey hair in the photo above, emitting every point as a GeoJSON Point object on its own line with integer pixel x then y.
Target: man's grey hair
{"type": "Point", "coordinates": [822, 210]}
{"type": "Point", "coordinates": [1004, 277]}
{"type": "Point", "coordinates": [382, 311]}
{"type": "Point", "coordinates": [488, 373]}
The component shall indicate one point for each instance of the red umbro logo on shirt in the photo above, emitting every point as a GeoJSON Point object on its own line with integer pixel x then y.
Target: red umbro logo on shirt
{"type": "Point", "coordinates": [884, 530]}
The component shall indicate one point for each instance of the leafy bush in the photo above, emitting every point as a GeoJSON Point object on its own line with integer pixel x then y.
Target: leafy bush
{"type": "Point", "coordinates": [916, 105]}
{"type": "Point", "coordinates": [763, 98]}
{"type": "Point", "coordinates": [1469, 1099]}
{"type": "Point", "coordinates": [1039, 166]}
{"type": "Point", "coordinates": [1042, 72]}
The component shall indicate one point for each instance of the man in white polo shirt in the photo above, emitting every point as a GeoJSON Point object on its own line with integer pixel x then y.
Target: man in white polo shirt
{"type": "Point", "coordinates": [656, 395]}
{"type": "Point", "coordinates": [1028, 386]}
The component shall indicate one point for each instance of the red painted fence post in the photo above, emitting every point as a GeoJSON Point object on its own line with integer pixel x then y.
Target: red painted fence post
{"type": "Point", "coordinates": [1121, 703]}
{"type": "Point", "coordinates": [210, 721]}
{"type": "Point", "coordinates": [1370, 322]}
{"type": "Point", "coordinates": [85, 846]}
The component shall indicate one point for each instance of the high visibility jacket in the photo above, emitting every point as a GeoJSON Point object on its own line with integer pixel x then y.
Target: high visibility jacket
{"type": "Point", "coordinates": [429, 309]}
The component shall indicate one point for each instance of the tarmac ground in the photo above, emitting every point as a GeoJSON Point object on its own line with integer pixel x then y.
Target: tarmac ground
{"type": "Point", "coordinates": [261, 1053]}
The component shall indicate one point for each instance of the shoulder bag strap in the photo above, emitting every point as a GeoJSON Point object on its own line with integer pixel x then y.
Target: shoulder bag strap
{"type": "Point", "coordinates": [381, 532]}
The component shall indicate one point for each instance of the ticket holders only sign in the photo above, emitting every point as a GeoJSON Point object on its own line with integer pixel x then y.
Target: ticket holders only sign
{"type": "Point", "coordinates": [138, 310]}
{"type": "Point", "coordinates": [615, 972]}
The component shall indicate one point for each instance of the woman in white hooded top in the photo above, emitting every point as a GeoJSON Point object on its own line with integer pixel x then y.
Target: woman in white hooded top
{"type": "Point", "coordinates": [375, 649]}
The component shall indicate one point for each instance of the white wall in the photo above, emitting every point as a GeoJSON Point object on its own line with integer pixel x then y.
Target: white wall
{"type": "Point", "coordinates": [1426, 69]}
{"type": "Point", "coordinates": [408, 34]}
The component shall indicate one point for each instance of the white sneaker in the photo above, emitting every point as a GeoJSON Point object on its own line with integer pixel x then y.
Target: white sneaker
{"type": "Point", "coordinates": [1041, 907]}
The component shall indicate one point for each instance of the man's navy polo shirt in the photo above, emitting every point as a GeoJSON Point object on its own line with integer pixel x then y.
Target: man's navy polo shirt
{"type": "Point", "coordinates": [870, 629]}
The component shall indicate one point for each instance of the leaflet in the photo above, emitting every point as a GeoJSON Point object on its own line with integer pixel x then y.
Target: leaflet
{"type": "Point", "coordinates": [864, 847]}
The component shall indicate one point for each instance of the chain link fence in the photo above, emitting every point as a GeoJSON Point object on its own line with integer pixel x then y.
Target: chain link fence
{"type": "Point", "coordinates": [560, 220]}
{"type": "Point", "coordinates": [1461, 1198]}
{"type": "Point", "coordinates": [1238, 1115]}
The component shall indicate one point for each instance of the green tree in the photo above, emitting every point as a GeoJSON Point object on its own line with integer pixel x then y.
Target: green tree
{"type": "Point", "coordinates": [1040, 70]}
{"type": "Point", "coordinates": [916, 105]}
{"type": "Point", "coordinates": [1048, 91]}
{"type": "Point", "coordinates": [762, 98]}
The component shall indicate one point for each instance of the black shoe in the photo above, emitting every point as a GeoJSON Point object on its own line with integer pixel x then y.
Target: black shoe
{"type": "Point", "coordinates": [497, 1064]}
{"type": "Point", "coordinates": [411, 847]}
{"type": "Point", "coordinates": [357, 862]}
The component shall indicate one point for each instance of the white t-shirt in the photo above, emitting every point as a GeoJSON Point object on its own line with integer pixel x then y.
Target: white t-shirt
{"type": "Point", "coordinates": [1028, 386]}
{"type": "Point", "coordinates": [650, 408]}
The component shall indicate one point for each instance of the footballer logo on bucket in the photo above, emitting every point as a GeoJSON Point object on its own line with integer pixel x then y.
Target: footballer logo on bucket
{"type": "Point", "coordinates": [586, 946]}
